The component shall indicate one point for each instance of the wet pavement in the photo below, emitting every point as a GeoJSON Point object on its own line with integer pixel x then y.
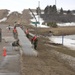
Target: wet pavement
{"type": "Point", "coordinates": [10, 64]}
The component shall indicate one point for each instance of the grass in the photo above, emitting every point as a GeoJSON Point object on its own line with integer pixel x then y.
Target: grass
{"type": "Point", "coordinates": [57, 31]}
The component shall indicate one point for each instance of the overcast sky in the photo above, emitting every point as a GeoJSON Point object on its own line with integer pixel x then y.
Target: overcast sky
{"type": "Point", "coordinates": [19, 5]}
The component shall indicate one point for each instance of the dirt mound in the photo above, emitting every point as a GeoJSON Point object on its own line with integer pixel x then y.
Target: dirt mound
{"type": "Point", "coordinates": [26, 16]}
{"type": "Point", "coordinates": [3, 13]}
{"type": "Point", "coordinates": [23, 18]}
{"type": "Point", "coordinates": [13, 17]}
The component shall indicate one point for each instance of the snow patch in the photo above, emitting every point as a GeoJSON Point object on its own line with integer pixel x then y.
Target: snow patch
{"type": "Point", "coordinates": [4, 19]}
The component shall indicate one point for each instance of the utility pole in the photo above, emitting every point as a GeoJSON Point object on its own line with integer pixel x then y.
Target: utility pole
{"type": "Point", "coordinates": [35, 20]}
{"type": "Point", "coordinates": [33, 16]}
{"type": "Point", "coordinates": [39, 12]}
{"type": "Point", "coordinates": [55, 2]}
{"type": "Point", "coordinates": [62, 39]}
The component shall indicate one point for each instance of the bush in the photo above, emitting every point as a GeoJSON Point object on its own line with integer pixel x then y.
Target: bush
{"type": "Point", "coordinates": [52, 24]}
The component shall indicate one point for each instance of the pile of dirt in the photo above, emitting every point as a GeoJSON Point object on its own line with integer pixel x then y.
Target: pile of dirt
{"type": "Point", "coordinates": [20, 18]}
{"type": "Point", "coordinates": [26, 16]}
{"type": "Point", "coordinates": [13, 17]}
{"type": "Point", "coordinates": [3, 13]}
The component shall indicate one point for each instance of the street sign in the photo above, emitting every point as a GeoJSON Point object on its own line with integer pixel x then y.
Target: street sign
{"type": "Point", "coordinates": [35, 22]}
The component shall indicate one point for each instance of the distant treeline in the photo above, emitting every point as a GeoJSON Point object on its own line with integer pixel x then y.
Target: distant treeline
{"type": "Point", "coordinates": [51, 14]}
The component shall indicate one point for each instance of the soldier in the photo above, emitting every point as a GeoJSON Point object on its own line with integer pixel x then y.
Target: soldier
{"type": "Point", "coordinates": [16, 43]}
{"type": "Point", "coordinates": [15, 33]}
{"type": "Point", "coordinates": [27, 33]}
{"type": "Point", "coordinates": [9, 27]}
{"type": "Point", "coordinates": [34, 40]}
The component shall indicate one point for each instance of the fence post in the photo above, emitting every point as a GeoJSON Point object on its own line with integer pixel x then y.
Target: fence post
{"type": "Point", "coordinates": [62, 39]}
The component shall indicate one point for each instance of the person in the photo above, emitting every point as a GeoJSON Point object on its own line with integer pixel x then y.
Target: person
{"type": "Point", "coordinates": [15, 32]}
{"type": "Point", "coordinates": [34, 41]}
{"type": "Point", "coordinates": [16, 43]}
{"type": "Point", "coordinates": [9, 27]}
{"type": "Point", "coordinates": [27, 33]}
{"type": "Point", "coordinates": [14, 25]}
